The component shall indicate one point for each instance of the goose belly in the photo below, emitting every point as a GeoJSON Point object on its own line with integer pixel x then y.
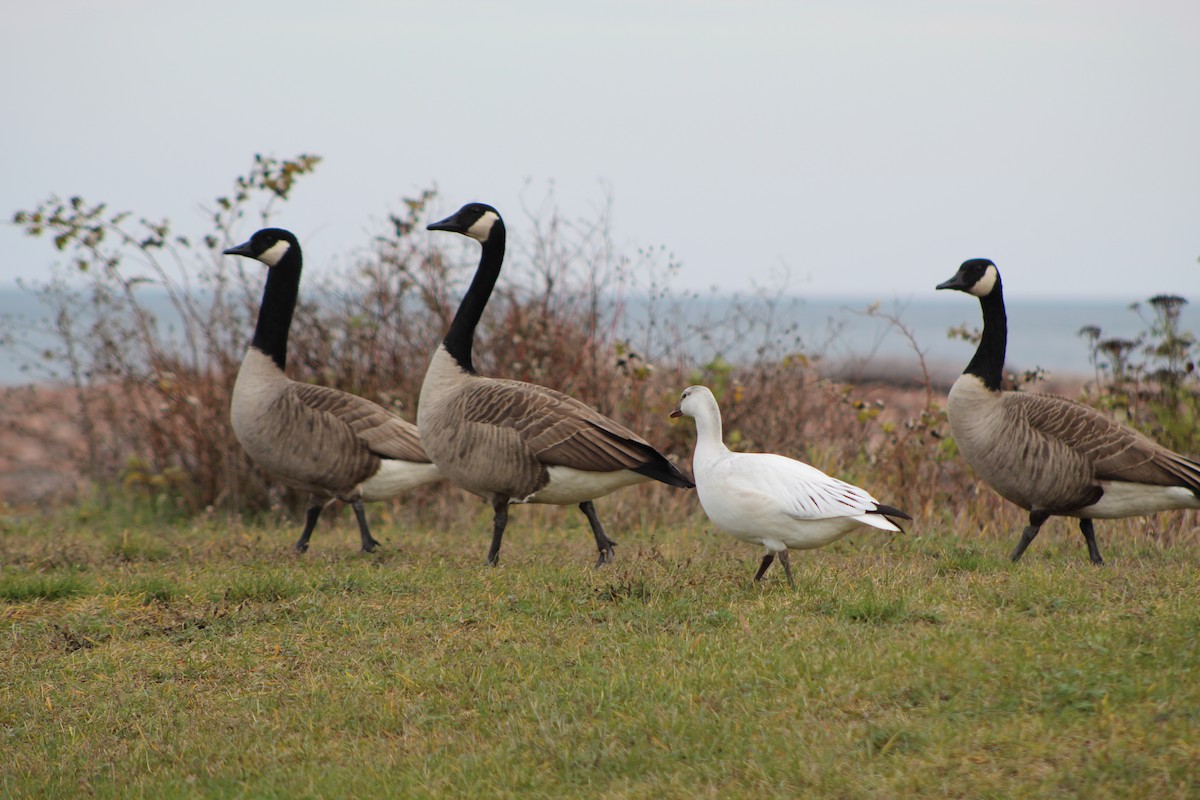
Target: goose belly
{"type": "Point", "coordinates": [568, 486]}
{"type": "Point", "coordinates": [808, 534]}
{"type": "Point", "coordinates": [751, 520]}
{"type": "Point", "coordinates": [296, 467]}
{"type": "Point", "coordinates": [396, 477]}
{"type": "Point", "coordinates": [995, 448]}
{"type": "Point", "coordinates": [485, 460]}
{"type": "Point", "coordinates": [272, 447]}
{"type": "Point", "coordinates": [267, 429]}
{"type": "Point", "coordinates": [1122, 499]}
{"type": "Point", "coordinates": [254, 413]}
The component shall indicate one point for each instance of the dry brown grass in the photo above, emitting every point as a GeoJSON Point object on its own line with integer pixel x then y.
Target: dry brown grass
{"type": "Point", "coordinates": [143, 417]}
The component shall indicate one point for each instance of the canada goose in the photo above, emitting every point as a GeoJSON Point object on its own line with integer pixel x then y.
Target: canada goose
{"type": "Point", "coordinates": [769, 499]}
{"type": "Point", "coordinates": [515, 442]}
{"type": "Point", "coordinates": [1049, 455]}
{"type": "Point", "coordinates": [329, 443]}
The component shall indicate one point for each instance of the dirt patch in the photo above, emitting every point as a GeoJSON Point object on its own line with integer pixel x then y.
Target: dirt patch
{"type": "Point", "coordinates": [42, 447]}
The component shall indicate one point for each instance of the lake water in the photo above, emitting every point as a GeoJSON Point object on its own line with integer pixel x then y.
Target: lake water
{"type": "Point", "coordinates": [1042, 333]}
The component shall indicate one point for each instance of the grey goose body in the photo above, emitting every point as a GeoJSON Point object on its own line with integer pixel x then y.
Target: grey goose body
{"type": "Point", "coordinates": [329, 443]}
{"type": "Point", "coordinates": [516, 442]}
{"type": "Point", "coordinates": [518, 439]}
{"type": "Point", "coordinates": [322, 440]}
{"type": "Point", "coordinates": [1049, 455]}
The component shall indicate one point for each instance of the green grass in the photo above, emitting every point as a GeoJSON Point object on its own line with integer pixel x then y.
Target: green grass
{"type": "Point", "coordinates": [207, 660]}
{"type": "Point", "coordinates": [20, 586]}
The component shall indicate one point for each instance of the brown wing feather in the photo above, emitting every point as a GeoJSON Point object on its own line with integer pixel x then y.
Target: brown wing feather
{"type": "Point", "coordinates": [385, 434]}
{"type": "Point", "coordinates": [1116, 451]}
{"type": "Point", "coordinates": [558, 429]}
{"type": "Point", "coordinates": [307, 448]}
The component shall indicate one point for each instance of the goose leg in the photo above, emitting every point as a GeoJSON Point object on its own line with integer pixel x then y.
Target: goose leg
{"type": "Point", "coordinates": [1089, 533]}
{"type": "Point", "coordinates": [766, 562]}
{"type": "Point", "coordinates": [603, 543]}
{"type": "Point", "coordinates": [1036, 520]}
{"type": "Point", "coordinates": [787, 567]}
{"type": "Point", "coordinates": [310, 522]}
{"type": "Point", "coordinates": [499, 522]}
{"type": "Point", "coordinates": [368, 542]}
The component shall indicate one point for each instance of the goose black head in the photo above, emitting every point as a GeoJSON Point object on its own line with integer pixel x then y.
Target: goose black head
{"type": "Point", "coordinates": [476, 220]}
{"type": "Point", "coordinates": [978, 277]}
{"type": "Point", "coordinates": [269, 246]}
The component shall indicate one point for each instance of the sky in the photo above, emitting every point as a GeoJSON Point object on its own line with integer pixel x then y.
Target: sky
{"type": "Point", "coordinates": [845, 148]}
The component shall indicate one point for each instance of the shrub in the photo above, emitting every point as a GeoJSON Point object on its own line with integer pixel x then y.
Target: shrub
{"type": "Point", "coordinates": [1150, 381]}
{"type": "Point", "coordinates": [572, 311]}
{"type": "Point", "coordinates": [149, 391]}
{"type": "Point", "coordinates": [153, 390]}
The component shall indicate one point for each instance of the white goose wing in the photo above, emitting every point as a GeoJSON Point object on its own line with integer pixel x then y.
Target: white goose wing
{"type": "Point", "coordinates": [801, 491]}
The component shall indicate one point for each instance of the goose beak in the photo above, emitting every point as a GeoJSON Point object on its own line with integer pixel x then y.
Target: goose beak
{"type": "Point", "coordinates": [954, 283]}
{"type": "Point", "coordinates": [676, 412]}
{"type": "Point", "coordinates": [241, 250]}
{"type": "Point", "coordinates": [450, 223]}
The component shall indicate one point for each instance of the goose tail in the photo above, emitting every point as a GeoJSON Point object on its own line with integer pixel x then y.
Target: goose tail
{"type": "Point", "coordinates": [1188, 472]}
{"type": "Point", "coordinates": [889, 511]}
{"type": "Point", "coordinates": [884, 517]}
{"type": "Point", "coordinates": [662, 470]}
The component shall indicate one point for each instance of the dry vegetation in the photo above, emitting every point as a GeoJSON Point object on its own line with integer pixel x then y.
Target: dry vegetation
{"type": "Point", "coordinates": [147, 398]}
{"type": "Point", "coordinates": [139, 404]}
{"type": "Point", "coordinates": [137, 414]}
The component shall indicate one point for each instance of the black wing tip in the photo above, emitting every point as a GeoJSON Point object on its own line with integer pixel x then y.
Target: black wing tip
{"type": "Point", "coordinates": [682, 481]}
{"type": "Point", "coordinates": [890, 511]}
{"type": "Point", "coordinates": [664, 471]}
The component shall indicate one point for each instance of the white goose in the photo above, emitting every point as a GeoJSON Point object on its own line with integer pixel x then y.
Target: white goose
{"type": "Point", "coordinates": [769, 499]}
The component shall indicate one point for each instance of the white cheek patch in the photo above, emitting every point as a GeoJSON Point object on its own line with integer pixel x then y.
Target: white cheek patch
{"type": "Point", "coordinates": [272, 255]}
{"type": "Point", "coordinates": [983, 287]}
{"type": "Point", "coordinates": [482, 228]}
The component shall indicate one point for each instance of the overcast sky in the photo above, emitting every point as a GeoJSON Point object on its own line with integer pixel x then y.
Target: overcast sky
{"type": "Point", "coordinates": [867, 148]}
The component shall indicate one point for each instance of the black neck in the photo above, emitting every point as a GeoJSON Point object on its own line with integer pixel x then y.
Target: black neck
{"type": "Point", "coordinates": [461, 335]}
{"type": "Point", "coordinates": [278, 303]}
{"type": "Point", "coordinates": [988, 362]}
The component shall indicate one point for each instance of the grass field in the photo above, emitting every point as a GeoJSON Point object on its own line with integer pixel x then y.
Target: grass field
{"type": "Point", "coordinates": [207, 660]}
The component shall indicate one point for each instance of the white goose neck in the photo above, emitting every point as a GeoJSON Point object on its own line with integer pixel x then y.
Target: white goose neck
{"type": "Point", "coordinates": [708, 430]}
